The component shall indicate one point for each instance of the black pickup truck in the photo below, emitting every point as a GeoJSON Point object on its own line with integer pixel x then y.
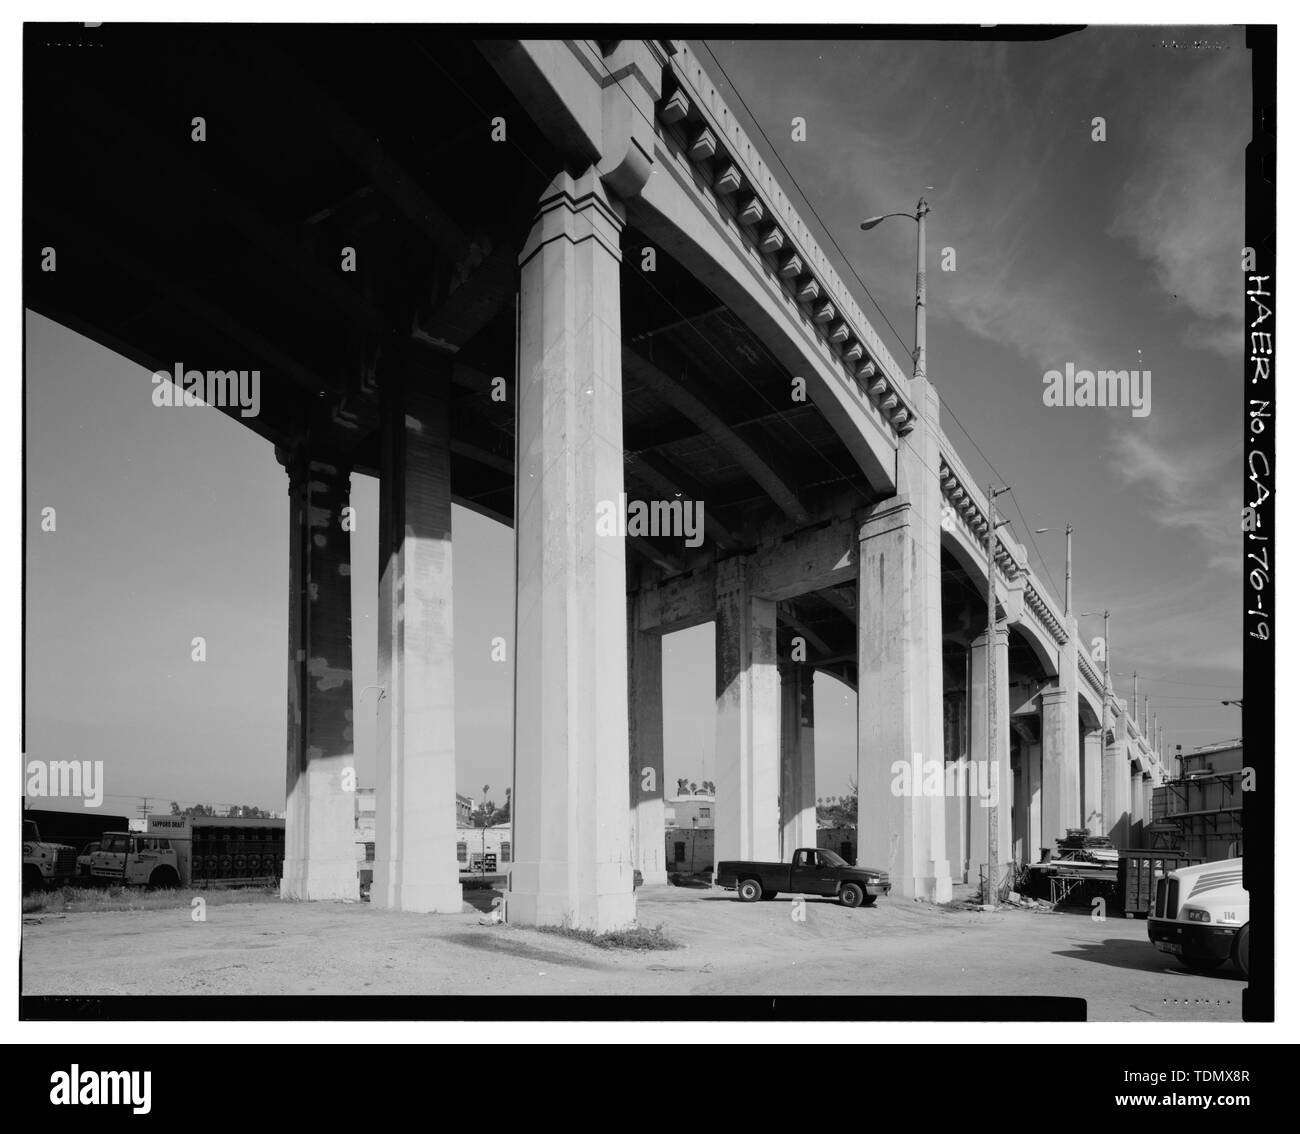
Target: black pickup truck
{"type": "Point", "coordinates": [810, 871]}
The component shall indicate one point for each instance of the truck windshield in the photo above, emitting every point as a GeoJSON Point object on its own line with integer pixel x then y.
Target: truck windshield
{"type": "Point", "coordinates": [830, 858]}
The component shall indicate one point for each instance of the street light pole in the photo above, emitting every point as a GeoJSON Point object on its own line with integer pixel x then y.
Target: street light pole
{"type": "Point", "coordinates": [991, 699]}
{"type": "Point", "coordinates": [922, 210]}
{"type": "Point", "coordinates": [918, 357]}
{"type": "Point", "coordinates": [1069, 561]}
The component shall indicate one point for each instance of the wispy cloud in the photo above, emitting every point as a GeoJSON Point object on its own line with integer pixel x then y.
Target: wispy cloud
{"type": "Point", "coordinates": [1191, 485]}
{"type": "Point", "coordinates": [1183, 211]}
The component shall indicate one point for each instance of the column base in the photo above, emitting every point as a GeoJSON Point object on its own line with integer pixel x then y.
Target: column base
{"type": "Point", "coordinates": [936, 887]}
{"type": "Point", "coordinates": [539, 895]}
{"type": "Point", "coordinates": [422, 897]}
{"type": "Point", "coordinates": [306, 881]}
{"type": "Point", "coordinates": [654, 878]}
{"type": "Point", "coordinates": [606, 913]}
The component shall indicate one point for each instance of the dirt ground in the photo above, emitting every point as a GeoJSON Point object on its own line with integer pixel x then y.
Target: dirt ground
{"type": "Point", "coordinates": [897, 947]}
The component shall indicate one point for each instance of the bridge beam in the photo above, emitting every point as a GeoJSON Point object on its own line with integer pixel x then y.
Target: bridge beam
{"type": "Point", "coordinates": [320, 860]}
{"type": "Point", "coordinates": [573, 860]}
{"type": "Point", "coordinates": [804, 561]}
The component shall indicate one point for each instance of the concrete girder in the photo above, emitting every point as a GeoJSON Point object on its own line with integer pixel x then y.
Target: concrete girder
{"type": "Point", "coordinates": [785, 613]}
{"type": "Point", "coordinates": [697, 408]}
{"type": "Point", "coordinates": [176, 291]}
{"type": "Point", "coordinates": [361, 147]}
{"type": "Point", "coordinates": [647, 549]}
{"type": "Point", "coordinates": [681, 217]}
{"type": "Point", "coordinates": [663, 477]}
{"type": "Point", "coordinates": [197, 184]}
{"type": "Point", "coordinates": [678, 603]}
{"type": "Point", "coordinates": [805, 561]}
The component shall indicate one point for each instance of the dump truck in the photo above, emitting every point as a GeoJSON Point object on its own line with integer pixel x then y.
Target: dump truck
{"type": "Point", "coordinates": [45, 865]}
{"type": "Point", "coordinates": [809, 871]}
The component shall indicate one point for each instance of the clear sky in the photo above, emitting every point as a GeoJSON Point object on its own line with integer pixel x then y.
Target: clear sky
{"type": "Point", "coordinates": [173, 523]}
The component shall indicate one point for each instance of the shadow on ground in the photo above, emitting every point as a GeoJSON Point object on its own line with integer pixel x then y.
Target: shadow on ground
{"type": "Point", "coordinates": [1119, 953]}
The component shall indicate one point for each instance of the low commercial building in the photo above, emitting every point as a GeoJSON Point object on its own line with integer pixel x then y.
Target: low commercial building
{"type": "Point", "coordinates": [1200, 811]}
{"type": "Point", "coordinates": [842, 840]}
{"type": "Point", "coordinates": [483, 850]}
{"type": "Point", "coordinates": [688, 832]}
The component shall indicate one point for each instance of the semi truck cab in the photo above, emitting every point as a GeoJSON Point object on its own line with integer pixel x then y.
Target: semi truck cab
{"type": "Point", "coordinates": [1201, 915]}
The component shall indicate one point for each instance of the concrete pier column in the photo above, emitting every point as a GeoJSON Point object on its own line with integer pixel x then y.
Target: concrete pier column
{"type": "Point", "coordinates": [956, 755]}
{"type": "Point", "coordinates": [645, 710]}
{"type": "Point", "coordinates": [901, 822]}
{"type": "Point", "coordinates": [798, 759]}
{"type": "Point", "coordinates": [573, 856]}
{"type": "Point", "coordinates": [1137, 802]}
{"type": "Point", "coordinates": [990, 776]}
{"type": "Point", "coordinates": [1034, 787]}
{"type": "Point", "coordinates": [747, 754]}
{"type": "Point", "coordinates": [320, 860]}
{"type": "Point", "coordinates": [1092, 757]}
{"type": "Point", "coordinates": [415, 775]}
{"type": "Point", "coordinates": [1115, 781]}
{"type": "Point", "coordinates": [1060, 763]}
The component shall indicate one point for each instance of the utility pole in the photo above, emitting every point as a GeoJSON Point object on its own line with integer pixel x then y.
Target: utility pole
{"type": "Point", "coordinates": [991, 696]}
{"type": "Point", "coordinates": [1146, 716]}
{"type": "Point", "coordinates": [918, 358]}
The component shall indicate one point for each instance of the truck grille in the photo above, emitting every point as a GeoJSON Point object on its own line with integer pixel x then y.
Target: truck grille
{"type": "Point", "coordinates": [65, 861]}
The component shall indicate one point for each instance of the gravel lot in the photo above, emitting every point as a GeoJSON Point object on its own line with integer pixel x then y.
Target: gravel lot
{"type": "Point", "coordinates": [896, 947]}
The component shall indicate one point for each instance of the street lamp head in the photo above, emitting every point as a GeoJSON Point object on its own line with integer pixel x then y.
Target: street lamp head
{"type": "Point", "coordinates": [870, 223]}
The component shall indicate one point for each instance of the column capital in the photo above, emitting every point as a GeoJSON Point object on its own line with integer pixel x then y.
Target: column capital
{"type": "Point", "coordinates": [577, 210]}
{"type": "Point", "coordinates": [883, 517]}
{"type": "Point", "coordinates": [302, 462]}
{"type": "Point", "coordinates": [1055, 696]}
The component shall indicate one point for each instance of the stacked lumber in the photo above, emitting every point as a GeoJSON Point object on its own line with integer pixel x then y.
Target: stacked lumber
{"type": "Point", "coordinates": [1087, 849]}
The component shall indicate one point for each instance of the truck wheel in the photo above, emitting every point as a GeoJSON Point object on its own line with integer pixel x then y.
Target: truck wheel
{"type": "Point", "coordinates": [1201, 964]}
{"type": "Point", "coordinates": [768, 895]}
{"type": "Point", "coordinates": [851, 895]}
{"type": "Point", "coordinates": [1241, 950]}
{"type": "Point", "coordinates": [164, 878]}
{"type": "Point", "coordinates": [33, 883]}
{"type": "Point", "coordinates": [748, 890]}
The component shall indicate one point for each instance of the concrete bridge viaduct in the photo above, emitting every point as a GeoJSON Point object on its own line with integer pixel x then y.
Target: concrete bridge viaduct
{"type": "Point", "coordinates": [585, 226]}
